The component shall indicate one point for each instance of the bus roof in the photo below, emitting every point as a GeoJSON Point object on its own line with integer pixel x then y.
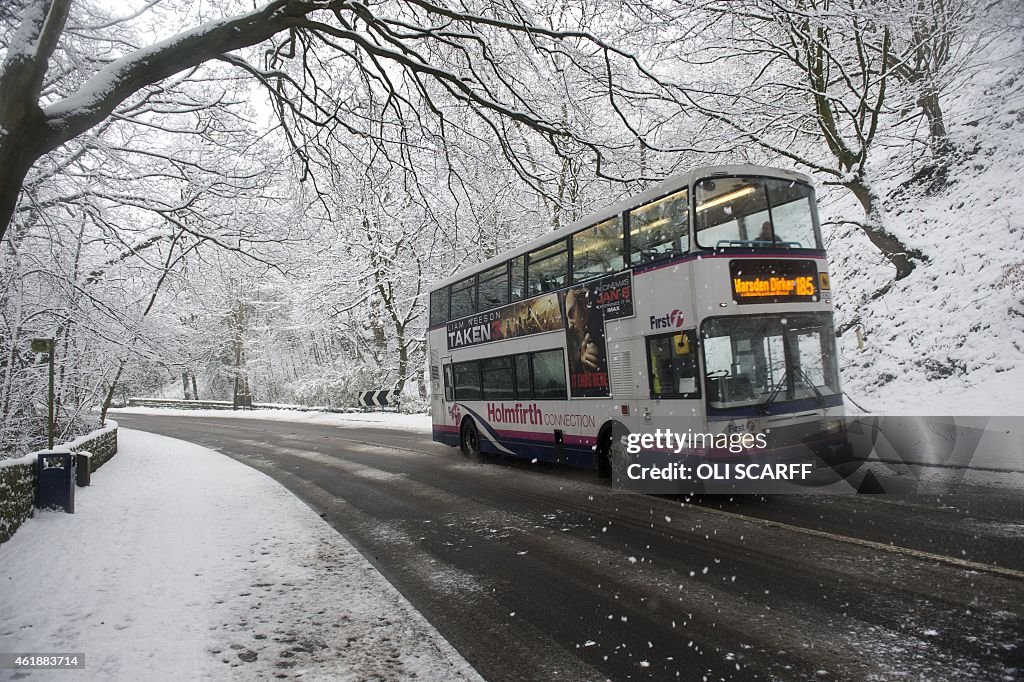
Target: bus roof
{"type": "Point", "coordinates": [667, 186]}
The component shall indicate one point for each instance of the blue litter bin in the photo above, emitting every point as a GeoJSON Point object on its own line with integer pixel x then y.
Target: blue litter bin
{"type": "Point", "coordinates": [55, 476]}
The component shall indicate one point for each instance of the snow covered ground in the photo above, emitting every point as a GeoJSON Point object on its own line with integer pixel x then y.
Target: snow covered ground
{"type": "Point", "coordinates": [419, 423]}
{"type": "Point", "coordinates": [181, 563]}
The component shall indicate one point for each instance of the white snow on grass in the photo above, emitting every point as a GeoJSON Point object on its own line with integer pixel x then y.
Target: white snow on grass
{"type": "Point", "coordinates": [182, 563]}
{"type": "Point", "coordinates": [405, 422]}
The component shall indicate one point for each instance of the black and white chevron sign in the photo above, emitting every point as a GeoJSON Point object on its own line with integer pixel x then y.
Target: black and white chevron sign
{"type": "Point", "coordinates": [378, 399]}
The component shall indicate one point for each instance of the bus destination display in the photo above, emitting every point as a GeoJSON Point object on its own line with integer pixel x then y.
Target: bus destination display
{"type": "Point", "coordinates": [773, 281]}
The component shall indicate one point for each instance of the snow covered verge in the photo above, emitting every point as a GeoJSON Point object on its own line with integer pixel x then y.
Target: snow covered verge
{"type": "Point", "coordinates": [419, 423]}
{"type": "Point", "coordinates": [948, 339]}
{"type": "Point", "coordinates": [182, 563]}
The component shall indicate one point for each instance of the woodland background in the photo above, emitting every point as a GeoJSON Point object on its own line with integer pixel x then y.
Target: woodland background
{"type": "Point", "coordinates": [204, 198]}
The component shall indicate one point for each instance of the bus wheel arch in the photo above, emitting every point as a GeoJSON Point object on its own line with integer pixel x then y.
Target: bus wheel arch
{"type": "Point", "coordinates": [469, 439]}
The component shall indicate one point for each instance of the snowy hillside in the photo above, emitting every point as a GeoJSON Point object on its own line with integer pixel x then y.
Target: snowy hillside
{"type": "Point", "coordinates": [950, 337]}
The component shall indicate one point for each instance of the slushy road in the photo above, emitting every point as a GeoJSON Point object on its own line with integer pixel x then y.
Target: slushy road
{"type": "Point", "coordinates": [537, 572]}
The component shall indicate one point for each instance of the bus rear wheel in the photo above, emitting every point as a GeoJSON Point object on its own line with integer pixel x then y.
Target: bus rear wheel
{"type": "Point", "coordinates": [469, 440]}
{"type": "Point", "coordinates": [604, 462]}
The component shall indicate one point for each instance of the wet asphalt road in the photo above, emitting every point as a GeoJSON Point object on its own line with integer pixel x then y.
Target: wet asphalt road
{"type": "Point", "coordinates": [537, 572]}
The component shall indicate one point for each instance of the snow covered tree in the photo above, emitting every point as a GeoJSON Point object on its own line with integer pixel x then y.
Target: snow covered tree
{"type": "Point", "coordinates": [66, 69]}
{"type": "Point", "coordinates": [809, 81]}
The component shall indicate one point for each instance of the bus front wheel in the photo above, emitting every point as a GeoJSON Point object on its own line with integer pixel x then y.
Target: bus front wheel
{"type": "Point", "coordinates": [470, 440]}
{"type": "Point", "coordinates": [619, 460]}
{"type": "Point", "coordinates": [612, 454]}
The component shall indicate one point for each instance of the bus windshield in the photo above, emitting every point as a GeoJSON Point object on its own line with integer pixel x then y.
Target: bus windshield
{"type": "Point", "coordinates": [755, 212]}
{"type": "Point", "coordinates": [769, 359]}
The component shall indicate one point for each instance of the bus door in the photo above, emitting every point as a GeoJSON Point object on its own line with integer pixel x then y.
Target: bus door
{"type": "Point", "coordinates": [673, 372]}
{"type": "Point", "coordinates": [447, 395]}
{"type": "Point", "coordinates": [444, 417]}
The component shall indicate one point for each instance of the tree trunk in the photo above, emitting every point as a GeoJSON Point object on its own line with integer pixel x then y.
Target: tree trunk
{"type": "Point", "coordinates": [421, 386]}
{"type": "Point", "coordinates": [242, 391]}
{"type": "Point", "coordinates": [895, 251]}
{"type": "Point", "coordinates": [109, 398]}
{"type": "Point", "coordinates": [937, 135]}
{"type": "Point", "coordinates": [403, 357]}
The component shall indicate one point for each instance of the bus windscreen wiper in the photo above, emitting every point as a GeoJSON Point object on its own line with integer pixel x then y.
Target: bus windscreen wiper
{"type": "Point", "coordinates": [803, 375]}
{"type": "Point", "coordinates": [798, 373]}
{"type": "Point", "coordinates": [775, 392]}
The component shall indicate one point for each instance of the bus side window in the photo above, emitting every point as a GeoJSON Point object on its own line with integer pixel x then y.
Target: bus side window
{"type": "Point", "coordinates": [549, 375]}
{"type": "Point", "coordinates": [467, 380]}
{"type": "Point", "coordinates": [597, 250]}
{"type": "Point", "coordinates": [439, 306]}
{"type": "Point", "coordinates": [547, 268]}
{"type": "Point", "coordinates": [672, 365]}
{"type": "Point", "coordinates": [464, 298]}
{"type": "Point", "coordinates": [660, 229]}
{"type": "Point", "coordinates": [518, 280]}
{"type": "Point", "coordinates": [493, 287]}
{"type": "Point", "coordinates": [524, 383]}
{"type": "Point", "coordinates": [497, 376]}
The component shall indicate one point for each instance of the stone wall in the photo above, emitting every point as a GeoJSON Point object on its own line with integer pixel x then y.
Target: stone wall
{"type": "Point", "coordinates": [18, 476]}
{"type": "Point", "coordinates": [17, 497]}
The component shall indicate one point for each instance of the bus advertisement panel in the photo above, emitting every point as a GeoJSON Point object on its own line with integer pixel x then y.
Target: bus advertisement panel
{"type": "Point", "coordinates": [536, 316]}
{"type": "Point", "coordinates": [587, 307]}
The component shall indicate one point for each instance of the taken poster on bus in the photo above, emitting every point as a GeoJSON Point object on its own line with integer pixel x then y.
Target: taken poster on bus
{"type": "Point", "coordinates": [580, 310]}
{"type": "Point", "coordinates": [535, 316]}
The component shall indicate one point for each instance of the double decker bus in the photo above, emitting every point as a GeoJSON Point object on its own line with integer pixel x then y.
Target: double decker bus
{"type": "Point", "coordinates": [702, 305]}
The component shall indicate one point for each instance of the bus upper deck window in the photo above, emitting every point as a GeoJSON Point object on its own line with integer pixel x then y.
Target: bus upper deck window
{"type": "Point", "coordinates": [597, 250]}
{"type": "Point", "coordinates": [547, 268]}
{"type": "Point", "coordinates": [732, 211]}
{"type": "Point", "coordinates": [660, 229]}
{"type": "Point", "coordinates": [494, 287]}
{"type": "Point", "coordinates": [464, 298]}
{"type": "Point", "coordinates": [755, 212]}
{"type": "Point", "coordinates": [439, 306]}
{"type": "Point", "coordinates": [518, 278]}
{"type": "Point", "coordinates": [793, 213]}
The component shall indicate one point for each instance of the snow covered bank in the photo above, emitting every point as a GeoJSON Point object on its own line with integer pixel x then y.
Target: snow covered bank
{"type": "Point", "coordinates": [948, 339]}
{"type": "Point", "coordinates": [181, 563]}
{"type": "Point", "coordinates": [419, 423]}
